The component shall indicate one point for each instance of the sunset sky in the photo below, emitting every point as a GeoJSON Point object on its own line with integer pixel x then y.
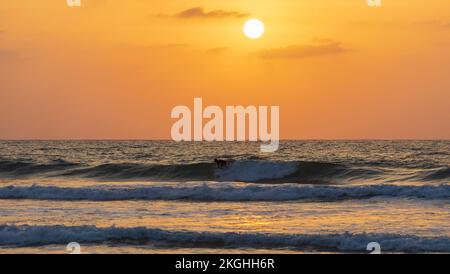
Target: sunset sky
{"type": "Point", "coordinates": [114, 69]}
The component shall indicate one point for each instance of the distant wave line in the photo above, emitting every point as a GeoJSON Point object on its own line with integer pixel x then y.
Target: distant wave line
{"type": "Point", "coordinates": [25, 235]}
{"type": "Point", "coordinates": [226, 192]}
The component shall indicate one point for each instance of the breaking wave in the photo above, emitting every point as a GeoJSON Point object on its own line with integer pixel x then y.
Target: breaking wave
{"type": "Point", "coordinates": [226, 192]}
{"type": "Point", "coordinates": [45, 235]}
{"type": "Point", "coordinates": [239, 170]}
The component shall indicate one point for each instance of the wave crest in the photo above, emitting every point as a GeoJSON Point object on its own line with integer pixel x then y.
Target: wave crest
{"type": "Point", "coordinates": [226, 192]}
{"type": "Point", "coordinates": [45, 235]}
{"type": "Point", "coordinates": [251, 171]}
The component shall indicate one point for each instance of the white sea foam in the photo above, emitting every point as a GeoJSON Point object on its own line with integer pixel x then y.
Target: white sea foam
{"type": "Point", "coordinates": [225, 192]}
{"type": "Point", "coordinates": [46, 235]}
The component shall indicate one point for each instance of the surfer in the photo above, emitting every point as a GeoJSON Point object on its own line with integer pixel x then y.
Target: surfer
{"type": "Point", "coordinates": [221, 163]}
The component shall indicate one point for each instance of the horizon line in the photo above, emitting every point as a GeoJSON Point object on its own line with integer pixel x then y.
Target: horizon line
{"type": "Point", "coordinates": [156, 139]}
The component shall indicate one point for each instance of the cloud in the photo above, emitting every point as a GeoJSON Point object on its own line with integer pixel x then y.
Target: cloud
{"type": "Point", "coordinates": [434, 24]}
{"type": "Point", "coordinates": [198, 12]}
{"type": "Point", "coordinates": [217, 50]}
{"type": "Point", "coordinates": [318, 48]}
{"type": "Point", "coordinates": [7, 54]}
{"type": "Point", "coordinates": [171, 46]}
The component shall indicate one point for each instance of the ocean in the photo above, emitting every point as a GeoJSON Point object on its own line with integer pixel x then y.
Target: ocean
{"type": "Point", "coordinates": [168, 197]}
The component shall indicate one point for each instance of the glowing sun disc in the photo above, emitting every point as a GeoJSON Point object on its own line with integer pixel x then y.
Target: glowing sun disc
{"type": "Point", "coordinates": [253, 28]}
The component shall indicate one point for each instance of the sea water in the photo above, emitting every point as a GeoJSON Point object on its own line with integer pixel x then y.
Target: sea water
{"type": "Point", "coordinates": [168, 197]}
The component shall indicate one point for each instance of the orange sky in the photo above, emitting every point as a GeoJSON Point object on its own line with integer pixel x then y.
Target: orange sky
{"type": "Point", "coordinates": [114, 69]}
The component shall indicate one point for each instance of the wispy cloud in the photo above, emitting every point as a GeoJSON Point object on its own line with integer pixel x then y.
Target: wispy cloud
{"type": "Point", "coordinates": [217, 50]}
{"type": "Point", "coordinates": [154, 48]}
{"type": "Point", "coordinates": [171, 46]}
{"type": "Point", "coordinates": [199, 12]}
{"type": "Point", "coordinates": [7, 54]}
{"type": "Point", "coordinates": [319, 47]}
{"type": "Point", "coordinates": [432, 24]}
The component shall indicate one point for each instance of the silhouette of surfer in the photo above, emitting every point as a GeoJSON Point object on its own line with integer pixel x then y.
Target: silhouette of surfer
{"type": "Point", "coordinates": [221, 163]}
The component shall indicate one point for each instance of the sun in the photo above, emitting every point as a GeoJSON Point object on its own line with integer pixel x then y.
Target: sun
{"type": "Point", "coordinates": [253, 28]}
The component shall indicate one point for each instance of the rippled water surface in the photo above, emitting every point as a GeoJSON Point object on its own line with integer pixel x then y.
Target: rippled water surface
{"type": "Point", "coordinates": [164, 197]}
